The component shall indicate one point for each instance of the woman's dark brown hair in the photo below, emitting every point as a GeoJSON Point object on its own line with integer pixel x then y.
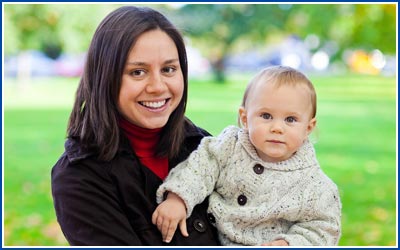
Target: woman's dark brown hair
{"type": "Point", "coordinates": [94, 118]}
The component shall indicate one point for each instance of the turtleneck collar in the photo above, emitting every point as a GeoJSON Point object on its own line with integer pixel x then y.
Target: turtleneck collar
{"type": "Point", "coordinates": [143, 142]}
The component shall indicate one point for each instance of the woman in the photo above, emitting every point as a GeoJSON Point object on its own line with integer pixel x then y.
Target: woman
{"type": "Point", "coordinates": [126, 131]}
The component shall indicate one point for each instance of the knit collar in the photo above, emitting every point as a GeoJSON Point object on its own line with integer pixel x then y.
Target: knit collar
{"type": "Point", "coordinates": [143, 140]}
{"type": "Point", "coordinates": [304, 157]}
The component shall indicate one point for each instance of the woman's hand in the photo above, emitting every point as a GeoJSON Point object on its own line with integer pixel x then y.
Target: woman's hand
{"type": "Point", "coordinates": [276, 243]}
{"type": "Point", "coordinates": [168, 215]}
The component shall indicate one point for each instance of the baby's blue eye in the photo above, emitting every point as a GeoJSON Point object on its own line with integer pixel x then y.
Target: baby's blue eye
{"type": "Point", "coordinates": [291, 119]}
{"type": "Point", "coordinates": [266, 116]}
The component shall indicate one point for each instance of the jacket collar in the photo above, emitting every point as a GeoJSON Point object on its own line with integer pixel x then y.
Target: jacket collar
{"type": "Point", "coordinates": [75, 151]}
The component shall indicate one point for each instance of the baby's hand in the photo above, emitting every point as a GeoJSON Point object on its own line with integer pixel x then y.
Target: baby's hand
{"type": "Point", "coordinates": [168, 215]}
{"type": "Point", "coordinates": [276, 243]}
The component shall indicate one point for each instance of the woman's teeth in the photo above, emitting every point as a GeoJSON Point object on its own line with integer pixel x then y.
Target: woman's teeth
{"type": "Point", "coordinates": [153, 104]}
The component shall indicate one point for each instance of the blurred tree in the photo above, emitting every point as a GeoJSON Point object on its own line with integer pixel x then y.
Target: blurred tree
{"type": "Point", "coordinates": [375, 27]}
{"type": "Point", "coordinates": [32, 27]}
{"type": "Point", "coordinates": [348, 26]}
{"type": "Point", "coordinates": [217, 28]}
{"type": "Point", "coordinates": [52, 28]}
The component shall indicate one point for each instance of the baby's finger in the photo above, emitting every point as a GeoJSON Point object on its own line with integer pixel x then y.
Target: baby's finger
{"type": "Point", "coordinates": [165, 229]}
{"type": "Point", "coordinates": [276, 243]}
{"type": "Point", "coordinates": [159, 223]}
{"type": "Point", "coordinates": [154, 217]}
{"type": "Point", "coordinates": [170, 233]}
{"type": "Point", "coordinates": [183, 228]}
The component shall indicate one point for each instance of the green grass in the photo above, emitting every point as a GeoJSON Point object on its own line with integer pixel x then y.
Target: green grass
{"type": "Point", "coordinates": [356, 146]}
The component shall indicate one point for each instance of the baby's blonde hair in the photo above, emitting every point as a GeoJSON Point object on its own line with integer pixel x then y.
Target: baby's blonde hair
{"type": "Point", "coordinates": [279, 76]}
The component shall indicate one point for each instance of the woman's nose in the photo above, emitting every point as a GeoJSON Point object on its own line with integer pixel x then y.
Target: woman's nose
{"type": "Point", "coordinates": [156, 83]}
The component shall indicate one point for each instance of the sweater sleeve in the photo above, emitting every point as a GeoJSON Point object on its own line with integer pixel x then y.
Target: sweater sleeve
{"type": "Point", "coordinates": [321, 223]}
{"type": "Point", "coordinates": [195, 178]}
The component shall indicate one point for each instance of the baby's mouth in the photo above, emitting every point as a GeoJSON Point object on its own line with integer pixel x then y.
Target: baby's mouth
{"type": "Point", "coordinates": [275, 141]}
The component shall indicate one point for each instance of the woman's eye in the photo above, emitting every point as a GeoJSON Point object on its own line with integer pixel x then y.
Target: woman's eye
{"type": "Point", "coordinates": [137, 72]}
{"type": "Point", "coordinates": [291, 119]}
{"type": "Point", "coordinates": [169, 70]}
{"type": "Point", "coordinates": [266, 116]}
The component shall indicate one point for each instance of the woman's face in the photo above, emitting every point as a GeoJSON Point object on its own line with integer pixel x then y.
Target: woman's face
{"type": "Point", "coordinates": [152, 81]}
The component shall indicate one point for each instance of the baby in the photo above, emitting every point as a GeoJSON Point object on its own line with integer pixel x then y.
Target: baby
{"type": "Point", "coordinates": [265, 184]}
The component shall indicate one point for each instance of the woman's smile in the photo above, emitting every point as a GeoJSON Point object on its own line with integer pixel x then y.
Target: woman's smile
{"type": "Point", "coordinates": [154, 105]}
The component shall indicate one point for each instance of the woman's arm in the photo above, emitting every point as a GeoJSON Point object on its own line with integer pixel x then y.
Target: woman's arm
{"type": "Point", "coordinates": [87, 206]}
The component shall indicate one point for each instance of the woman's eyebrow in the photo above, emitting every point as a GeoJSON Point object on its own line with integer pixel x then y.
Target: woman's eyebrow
{"type": "Point", "coordinates": [171, 61]}
{"type": "Point", "coordinates": [144, 64]}
{"type": "Point", "coordinates": [137, 63]}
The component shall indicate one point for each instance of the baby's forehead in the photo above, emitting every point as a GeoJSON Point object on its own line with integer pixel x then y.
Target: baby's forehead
{"type": "Point", "coordinates": [271, 86]}
{"type": "Point", "coordinates": [278, 91]}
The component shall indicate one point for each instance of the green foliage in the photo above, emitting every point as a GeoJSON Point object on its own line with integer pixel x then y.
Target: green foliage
{"type": "Point", "coordinates": [351, 26]}
{"type": "Point", "coordinates": [218, 29]}
{"type": "Point", "coordinates": [33, 26]}
{"type": "Point", "coordinates": [376, 29]}
{"type": "Point", "coordinates": [67, 27]}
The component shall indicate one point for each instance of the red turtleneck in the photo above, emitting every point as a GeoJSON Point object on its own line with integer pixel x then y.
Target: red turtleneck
{"type": "Point", "coordinates": [143, 142]}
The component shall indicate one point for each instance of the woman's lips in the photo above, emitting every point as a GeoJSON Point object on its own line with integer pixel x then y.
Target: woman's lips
{"type": "Point", "coordinates": [154, 104]}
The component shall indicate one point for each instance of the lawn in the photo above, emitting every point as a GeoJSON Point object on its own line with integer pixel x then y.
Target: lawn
{"type": "Point", "coordinates": [355, 143]}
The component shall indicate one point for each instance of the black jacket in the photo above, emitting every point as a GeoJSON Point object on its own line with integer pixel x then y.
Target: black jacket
{"type": "Point", "coordinates": [111, 203]}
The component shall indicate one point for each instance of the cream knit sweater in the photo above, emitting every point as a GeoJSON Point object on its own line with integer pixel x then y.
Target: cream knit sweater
{"type": "Point", "coordinates": [255, 202]}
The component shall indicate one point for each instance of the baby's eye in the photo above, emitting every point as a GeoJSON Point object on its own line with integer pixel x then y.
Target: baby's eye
{"type": "Point", "coordinates": [266, 116]}
{"type": "Point", "coordinates": [291, 119]}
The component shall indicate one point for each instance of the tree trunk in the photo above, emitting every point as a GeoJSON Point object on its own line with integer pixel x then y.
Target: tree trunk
{"type": "Point", "coordinates": [219, 69]}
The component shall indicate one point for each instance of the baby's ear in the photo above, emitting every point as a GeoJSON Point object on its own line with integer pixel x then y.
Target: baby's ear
{"type": "Point", "coordinates": [311, 125]}
{"type": "Point", "coordinates": [243, 117]}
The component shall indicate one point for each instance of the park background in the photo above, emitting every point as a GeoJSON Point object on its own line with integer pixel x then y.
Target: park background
{"type": "Point", "coordinates": [347, 50]}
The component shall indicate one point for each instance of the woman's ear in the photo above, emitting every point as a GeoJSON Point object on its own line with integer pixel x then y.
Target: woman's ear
{"type": "Point", "coordinates": [243, 117]}
{"type": "Point", "coordinates": [311, 125]}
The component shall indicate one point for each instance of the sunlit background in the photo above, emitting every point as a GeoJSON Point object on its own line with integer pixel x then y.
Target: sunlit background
{"type": "Point", "coordinates": [347, 50]}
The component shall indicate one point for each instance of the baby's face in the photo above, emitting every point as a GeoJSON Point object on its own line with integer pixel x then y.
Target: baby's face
{"type": "Point", "coordinates": [278, 119]}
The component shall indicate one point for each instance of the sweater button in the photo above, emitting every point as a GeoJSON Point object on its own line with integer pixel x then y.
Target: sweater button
{"type": "Point", "coordinates": [242, 200]}
{"type": "Point", "coordinates": [211, 217]}
{"type": "Point", "coordinates": [258, 169]}
{"type": "Point", "coordinates": [199, 225]}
